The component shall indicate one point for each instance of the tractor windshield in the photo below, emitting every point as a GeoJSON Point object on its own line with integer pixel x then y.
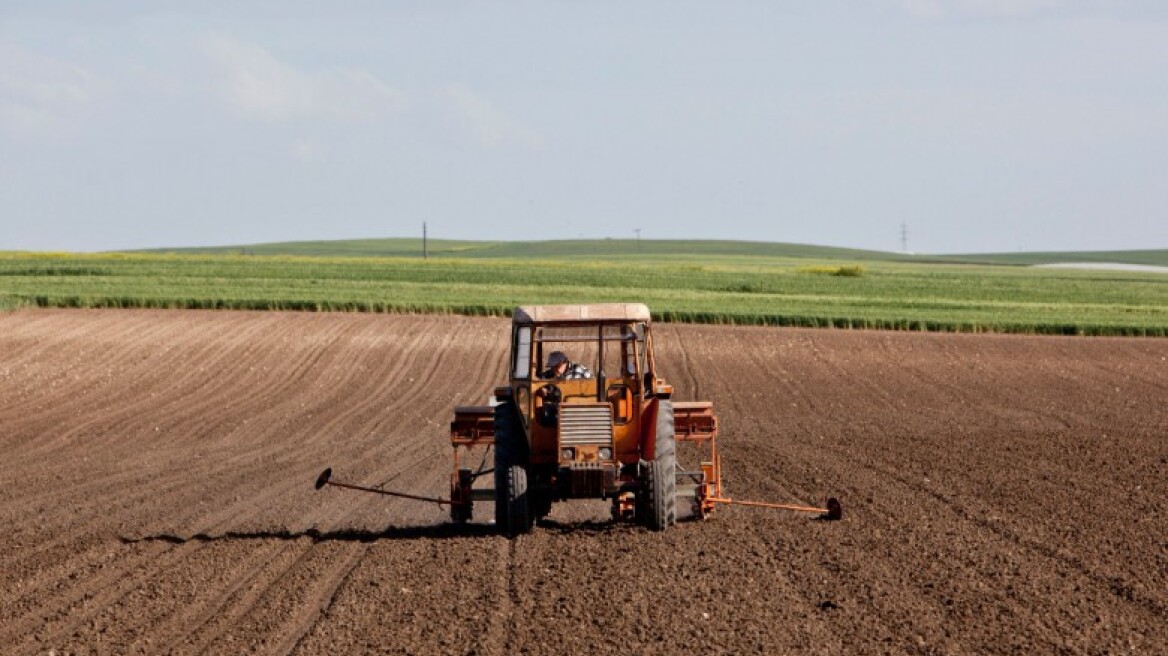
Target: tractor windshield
{"type": "Point", "coordinates": [611, 350]}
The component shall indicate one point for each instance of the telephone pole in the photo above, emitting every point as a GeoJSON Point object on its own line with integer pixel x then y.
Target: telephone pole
{"type": "Point", "coordinates": [903, 237]}
{"type": "Point", "coordinates": [425, 246]}
{"type": "Point", "coordinates": [638, 231]}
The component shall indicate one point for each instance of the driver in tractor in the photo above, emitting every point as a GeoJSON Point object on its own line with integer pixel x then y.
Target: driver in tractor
{"type": "Point", "coordinates": [559, 367]}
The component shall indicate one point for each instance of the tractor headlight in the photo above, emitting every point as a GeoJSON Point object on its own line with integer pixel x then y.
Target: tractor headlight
{"type": "Point", "coordinates": [567, 454]}
{"type": "Point", "coordinates": [605, 453]}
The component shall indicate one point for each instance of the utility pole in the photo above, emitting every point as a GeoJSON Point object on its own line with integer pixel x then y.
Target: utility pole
{"type": "Point", "coordinates": [638, 231]}
{"type": "Point", "coordinates": [425, 246]}
{"type": "Point", "coordinates": [903, 237]}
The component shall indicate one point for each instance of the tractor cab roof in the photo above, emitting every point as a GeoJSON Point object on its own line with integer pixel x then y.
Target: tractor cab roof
{"type": "Point", "coordinates": [594, 313]}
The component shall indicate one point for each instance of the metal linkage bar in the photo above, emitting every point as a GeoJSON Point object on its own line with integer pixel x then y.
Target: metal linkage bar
{"type": "Point", "coordinates": [326, 476]}
{"type": "Point", "coordinates": [833, 510]}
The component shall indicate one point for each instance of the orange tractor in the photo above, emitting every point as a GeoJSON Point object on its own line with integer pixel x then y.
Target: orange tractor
{"type": "Point", "coordinates": [585, 416]}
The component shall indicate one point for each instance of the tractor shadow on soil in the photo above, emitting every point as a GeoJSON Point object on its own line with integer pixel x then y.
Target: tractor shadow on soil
{"type": "Point", "coordinates": [430, 532]}
{"type": "Point", "coordinates": [426, 532]}
{"type": "Point", "coordinates": [587, 527]}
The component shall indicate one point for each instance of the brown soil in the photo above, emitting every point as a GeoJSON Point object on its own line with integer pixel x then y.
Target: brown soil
{"type": "Point", "coordinates": [1002, 494]}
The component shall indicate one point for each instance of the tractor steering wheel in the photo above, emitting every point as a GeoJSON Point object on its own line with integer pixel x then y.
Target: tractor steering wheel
{"type": "Point", "coordinates": [549, 412]}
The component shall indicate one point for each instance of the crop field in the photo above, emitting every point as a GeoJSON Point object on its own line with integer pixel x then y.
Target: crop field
{"type": "Point", "coordinates": [1002, 494]}
{"type": "Point", "coordinates": [706, 288]}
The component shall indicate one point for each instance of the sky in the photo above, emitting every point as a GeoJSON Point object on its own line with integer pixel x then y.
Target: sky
{"type": "Point", "coordinates": [974, 125]}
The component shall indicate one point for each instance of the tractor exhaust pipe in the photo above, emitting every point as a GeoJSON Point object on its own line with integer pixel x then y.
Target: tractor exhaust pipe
{"type": "Point", "coordinates": [326, 476]}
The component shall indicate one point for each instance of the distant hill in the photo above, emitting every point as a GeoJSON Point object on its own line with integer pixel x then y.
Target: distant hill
{"type": "Point", "coordinates": [557, 249]}
{"type": "Point", "coordinates": [617, 249]}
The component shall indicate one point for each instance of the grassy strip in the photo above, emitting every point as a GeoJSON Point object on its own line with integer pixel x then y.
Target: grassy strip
{"type": "Point", "coordinates": [715, 289]}
{"type": "Point", "coordinates": [779, 320]}
{"type": "Point", "coordinates": [1147, 258]}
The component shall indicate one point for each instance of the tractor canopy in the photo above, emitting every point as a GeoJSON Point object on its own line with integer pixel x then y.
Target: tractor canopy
{"type": "Point", "coordinates": [603, 342]}
{"type": "Point", "coordinates": [587, 314]}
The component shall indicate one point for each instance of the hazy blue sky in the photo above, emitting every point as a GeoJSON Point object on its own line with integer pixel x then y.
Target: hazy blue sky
{"type": "Point", "coordinates": [984, 125]}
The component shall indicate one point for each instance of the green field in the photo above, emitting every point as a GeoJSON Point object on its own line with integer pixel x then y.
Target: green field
{"type": "Point", "coordinates": [722, 282]}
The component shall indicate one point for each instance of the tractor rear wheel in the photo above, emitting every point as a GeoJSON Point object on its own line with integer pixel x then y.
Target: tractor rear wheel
{"type": "Point", "coordinates": [659, 493]}
{"type": "Point", "coordinates": [512, 510]}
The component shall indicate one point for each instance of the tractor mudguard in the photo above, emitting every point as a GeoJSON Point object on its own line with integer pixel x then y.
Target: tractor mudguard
{"type": "Point", "coordinates": [649, 430]}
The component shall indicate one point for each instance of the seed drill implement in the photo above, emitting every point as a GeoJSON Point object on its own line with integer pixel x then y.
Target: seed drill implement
{"type": "Point", "coordinates": [595, 422]}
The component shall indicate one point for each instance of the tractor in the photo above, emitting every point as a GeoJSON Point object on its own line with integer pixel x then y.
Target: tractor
{"type": "Point", "coordinates": [605, 428]}
{"type": "Point", "coordinates": [612, 435]}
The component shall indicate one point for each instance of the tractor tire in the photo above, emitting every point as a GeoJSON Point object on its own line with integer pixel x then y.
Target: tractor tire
{"type": "Point", "coordinates": [659, 493]}
{"type": "Point", "coordinates": [512, 511]}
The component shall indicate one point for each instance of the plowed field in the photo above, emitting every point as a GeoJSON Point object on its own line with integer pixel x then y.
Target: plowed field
{"type": "Point", "coordinates": [1001, 495]}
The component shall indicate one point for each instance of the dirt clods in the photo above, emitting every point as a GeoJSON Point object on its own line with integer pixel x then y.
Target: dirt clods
{"type": "Point", "coordinates": [1003, 494]}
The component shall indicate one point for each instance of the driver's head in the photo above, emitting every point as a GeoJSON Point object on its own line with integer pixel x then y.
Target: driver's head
{"type": "Point", "coordinates": [558, 362]}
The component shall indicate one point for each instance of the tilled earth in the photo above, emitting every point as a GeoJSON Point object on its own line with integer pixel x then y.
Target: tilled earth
{"type": "Point", "coordinates": [1002, 494]}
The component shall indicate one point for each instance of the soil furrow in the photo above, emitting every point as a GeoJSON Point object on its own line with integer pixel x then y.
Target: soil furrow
{"type": "Point", "coordinates": [61, 617]}
{"type": "Point", "coordinates": [327, 597]}
{"type": "Point", "coordinates": [240, 601]}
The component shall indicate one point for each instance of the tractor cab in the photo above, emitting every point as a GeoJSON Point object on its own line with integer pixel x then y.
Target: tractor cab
{"type": "Point", "coordinates": [601, 398]}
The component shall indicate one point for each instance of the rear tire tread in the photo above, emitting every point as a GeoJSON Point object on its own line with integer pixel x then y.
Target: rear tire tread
{"type": "Point", "coordinates": [660, 481]}
{"type": "Point", "coordinates": [512, 502]}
